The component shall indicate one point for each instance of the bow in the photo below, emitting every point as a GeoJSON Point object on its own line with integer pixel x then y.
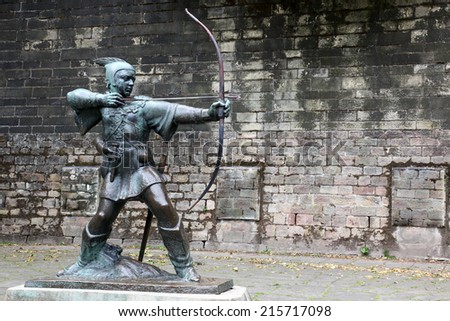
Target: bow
{"type": "Point", "coordinates": [220, 110]}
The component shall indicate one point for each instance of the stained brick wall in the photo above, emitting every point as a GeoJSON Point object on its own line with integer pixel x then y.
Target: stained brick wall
{"type": "Point", "coordinates": [341, 102]}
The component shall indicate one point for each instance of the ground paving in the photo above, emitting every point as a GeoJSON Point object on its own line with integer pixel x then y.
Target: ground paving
{"type": "Point", "coordinates": [267, 276]}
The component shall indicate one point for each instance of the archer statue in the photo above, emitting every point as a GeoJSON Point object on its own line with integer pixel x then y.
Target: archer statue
{"type": "Point", "coordinates": [128, 170]}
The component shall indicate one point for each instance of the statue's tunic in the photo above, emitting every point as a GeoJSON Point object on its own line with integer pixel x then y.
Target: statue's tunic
{"type": "Point", "coordinates": [128, 167]}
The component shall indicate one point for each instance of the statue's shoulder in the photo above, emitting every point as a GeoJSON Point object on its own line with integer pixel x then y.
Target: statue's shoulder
{"type": "Point", "coordinates": [138, 103]}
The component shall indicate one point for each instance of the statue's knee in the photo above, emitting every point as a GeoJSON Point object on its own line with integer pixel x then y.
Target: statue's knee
{"type": "Point", "coordinates": [101, 216]}
{"type": "Point", "coordinates": [163, 206]}
{"type": "Point", "coordinates": [166, 214]}
{"type": "Point", "coordinates": [100, 222]}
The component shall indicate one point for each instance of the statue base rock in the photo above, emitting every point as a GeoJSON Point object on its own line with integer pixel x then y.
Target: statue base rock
{"type": "Point", "coordinates": [111, 265]}
{"type": "Point", "coordinates": [115, 277]}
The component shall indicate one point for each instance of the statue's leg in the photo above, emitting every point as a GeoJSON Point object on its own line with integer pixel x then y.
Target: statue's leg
{"type": "Point", "coordinates": [107, 213]}
{"type": "Point", "coordinates": [95, 235]}
{"type": "Point", "coordinates": [172, 231]}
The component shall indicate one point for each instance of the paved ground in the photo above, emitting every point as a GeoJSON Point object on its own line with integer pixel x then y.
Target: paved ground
{"type": "Point", "coordinates": [268, 277]}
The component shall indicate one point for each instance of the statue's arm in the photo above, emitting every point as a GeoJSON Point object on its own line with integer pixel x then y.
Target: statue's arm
{"type": "Point", "coordinates": [158, 113]}
{"type": "Point", "coordinates": [164, 117]}
{"type": "Point", "coordinates": [83, 98]}
{"type": "Point", "coordinates": [191, 115]}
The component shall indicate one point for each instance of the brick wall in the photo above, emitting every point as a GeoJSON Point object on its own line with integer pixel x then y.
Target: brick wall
{"type": "Point", "coordinates": [339, 140]}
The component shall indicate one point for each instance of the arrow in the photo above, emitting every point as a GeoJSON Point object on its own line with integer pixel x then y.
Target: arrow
{"type": "Point", "coordinates": [232, 96]}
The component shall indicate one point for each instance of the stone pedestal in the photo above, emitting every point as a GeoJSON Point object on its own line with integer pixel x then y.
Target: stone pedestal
{"type": "Point", "coordinates": [75, 289]}
{"type": "Point", "coordinates": [205, 286]}
{"type": "Point", "coordinates": [22, 293]}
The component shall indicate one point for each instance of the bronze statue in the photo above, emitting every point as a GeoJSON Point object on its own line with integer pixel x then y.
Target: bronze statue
{"type": "Point", "coordinates": [128, 170]}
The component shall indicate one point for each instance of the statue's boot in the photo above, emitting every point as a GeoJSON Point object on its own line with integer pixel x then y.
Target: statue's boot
{"type": "Point", "coordinates": [177, 244]}
{"type": "Point", "coordinates": [91, 245]}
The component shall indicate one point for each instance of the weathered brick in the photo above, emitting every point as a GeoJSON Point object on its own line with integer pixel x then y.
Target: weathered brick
{"type": "Point", "coordinates": [303, 219]}
{"type": "Point", "coordinates": [360, 222]}
{"type": "Point", "coordinates": [327, 124]}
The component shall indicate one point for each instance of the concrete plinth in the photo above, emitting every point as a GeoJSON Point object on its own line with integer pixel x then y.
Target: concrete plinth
{"type": "Point", "coordinates": [22, 293]}
{"type": "Point", "coordinates": [204, 286]}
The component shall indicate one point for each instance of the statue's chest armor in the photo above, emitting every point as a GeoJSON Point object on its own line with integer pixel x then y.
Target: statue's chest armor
{"type": "Point", "coordinates": [125, 121]}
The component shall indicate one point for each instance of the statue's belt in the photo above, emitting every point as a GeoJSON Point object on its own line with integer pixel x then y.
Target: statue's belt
{"type": "Point", "coordinates": [116, 146]}
{"type": "Point", "coordinates": [126, 155]}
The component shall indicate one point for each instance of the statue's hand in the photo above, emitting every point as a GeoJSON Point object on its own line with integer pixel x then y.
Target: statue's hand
{"type": "Point", "coordinates": [111, 99]}
{"type": "Point", "coordinates": [213, 109]}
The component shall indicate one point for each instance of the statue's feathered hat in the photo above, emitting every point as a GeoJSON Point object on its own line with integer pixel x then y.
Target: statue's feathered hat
{"type": "Point", "coordinates": [89, 117]}
{"type": "Point", "coordinates": [112, 66]}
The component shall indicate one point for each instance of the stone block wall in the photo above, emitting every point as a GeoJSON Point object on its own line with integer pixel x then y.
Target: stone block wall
{"type": "Point", "coordinates": [419, 197]}
{"type": "Point", "coordinates": [339, 140]}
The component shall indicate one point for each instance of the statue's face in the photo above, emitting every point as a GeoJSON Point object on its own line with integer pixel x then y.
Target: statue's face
{"type": "Point", "coordinates": [123, 82]}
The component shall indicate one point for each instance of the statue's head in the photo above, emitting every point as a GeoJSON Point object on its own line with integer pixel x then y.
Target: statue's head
{"type": "Point", "coordinates": [120, 75]}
